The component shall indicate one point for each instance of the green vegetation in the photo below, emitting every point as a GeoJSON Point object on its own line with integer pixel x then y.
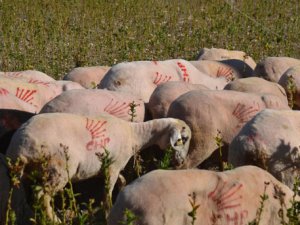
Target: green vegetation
{"type": "Point", "coordinates": [54, 36]}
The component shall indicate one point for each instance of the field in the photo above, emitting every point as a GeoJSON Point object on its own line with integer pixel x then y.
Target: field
{"type": "Point", "coordinates": [56, 36]}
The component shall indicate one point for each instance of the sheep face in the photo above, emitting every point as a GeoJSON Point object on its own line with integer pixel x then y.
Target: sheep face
{"type": "Point", "coordinates": [180, 142]}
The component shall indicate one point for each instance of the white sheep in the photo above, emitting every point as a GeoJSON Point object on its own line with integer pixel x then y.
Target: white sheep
{"type": "Point", "coordinates": [92, 102]}
{"type": "Point", "coordinates": [209, 112]}
{"type": "Point", "coordinates": [140, 78]}
{"type": "Point", "coordinates": [44, 134]}
{"type": "Point", "coordinates": [272, 68]}
{"type": "Point", "coordinates": [165, 197]}
{"type": "Point", "coordinates": [166, 93]}
{"type": "Point", "coordinates": [224, 54]}
{"type": "Point", "coordinates": [28, 76]}
{"type": "Point", "coordinates": [271, 141]}
{"type": "Point", "coordinates": [88, 76]}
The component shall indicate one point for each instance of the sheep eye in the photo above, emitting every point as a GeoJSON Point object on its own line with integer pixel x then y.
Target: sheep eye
{"type": "Point", "coordinates": [184, 139]}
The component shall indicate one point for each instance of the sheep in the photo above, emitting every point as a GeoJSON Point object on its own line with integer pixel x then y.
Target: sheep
{"type": "Point", "coordinates": [224, 54]}
{"type": "Point", "coordinates": [271, 141]}
{"type": "Point", "coordinates": [36, 93]}
{"type": "Point", "coordinates": [140, 78]}
{"type": "Point", "coordinates": [290, 81]}
{"type": "Point", "coordinates": [165, 197]}
{"type": "Point", "coordinates": [88, 77]}
{"type": "Point", "coordinates": [49, 135]}
{"type": "Point", "coordinates": [257, 85]}
{"type": "Point", "coordinates": [231, 69]}
{"type": "Point", "coordinates": [10, 101]}
{"type": "Point", "coordinates": [165, 94]}
{"type": "Point", "coordinates": [209, 112]}
{"type": "Point", "coordinates": [18, 199]}
{"type": "Point", "coordinates": [216, 69]}
{"type": "Point", "coordinates": [94, 102]}
{"type": "Point", "coordinates": [28, 75]}
{"type": "Point", "coordinates": [272, 68]}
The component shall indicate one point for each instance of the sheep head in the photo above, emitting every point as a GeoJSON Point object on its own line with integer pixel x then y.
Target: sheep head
{"type": "Point", "coordinates": [180, 141]}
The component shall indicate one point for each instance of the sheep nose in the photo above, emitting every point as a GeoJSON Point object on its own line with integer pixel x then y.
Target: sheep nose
{"type": "Point", "coordinates": [179, 142]}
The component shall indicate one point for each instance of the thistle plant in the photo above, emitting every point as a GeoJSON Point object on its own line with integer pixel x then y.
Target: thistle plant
{"type": "Point", "coordinates": [259, 211]}
{"type": "Point", "coordinates": [294, 211]}
{"type": "Point", "coordinates": [15, 171]}
{"type": "Point", "coordinates": [106, 161]}
{"type": "Point", "coordinates": [69, 190]}
{"type": "Point", "coordinates": [137, 163]}
{"type": "Point", "coordinates": [132, 110]}
{"type": "Point", "coordinates": [193, 212]}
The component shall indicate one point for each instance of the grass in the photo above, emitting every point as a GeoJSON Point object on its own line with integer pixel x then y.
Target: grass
{"type": "Point", "coordinates": [55, 36]}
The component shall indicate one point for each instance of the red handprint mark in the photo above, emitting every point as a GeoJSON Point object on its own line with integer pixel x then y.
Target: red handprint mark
{"type": "Point", "coordinates": [4, 92]}
{"type": "Point", "coordinates": [184, 71]}
{"type": "Point", "coordinates": [94, 127]}
{"type": "Point", "coordinates": [225, 72]}
{"type": "Point", "coordinates": [227, 197]}
{"type": "Point", "coordinates": [159, 78]}
{"type": "Point", "coordinates": [117, 109]}
{"type": "Point", "coordinates": [33, 81]}
{"type": "Point", "coordinates": [25, 95]}
{"type": "Point", "coordinates": [97, 131]}
{"type": "Point", "coordinates": [244, 113]}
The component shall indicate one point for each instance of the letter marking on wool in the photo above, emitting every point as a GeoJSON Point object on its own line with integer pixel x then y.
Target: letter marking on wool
{"type": "Point", "coordinates": [97, 131]}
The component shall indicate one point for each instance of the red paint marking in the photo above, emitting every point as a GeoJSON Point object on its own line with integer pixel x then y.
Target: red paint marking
{"type": "Point", "coordinates": [227, 197]}
{"type": "Point", "coordinates": [25, 95]}
{"type": "Point", "coordinates": [117, 109]}
{"type": "Point", "coordinates": [94, 127]}
{"type": "Point", "coordinates": [225, 72]}
{"type": "Point", "coordinates": [33, 81]}
{"type": "Point", "coordinates": [159, 78]}
{"type": "Point", "coordinates": [184, 71]}
{"type": "Point", "coordinates": [95, 145]}
{"type": "Point", "coordinates": [97, 130]}
{"type": "Point", "coordinates": [4, 92]}
{"type": "Point", "coordinates": [12, 74]}
{"type": "Point", "coordinates": [244, 113]}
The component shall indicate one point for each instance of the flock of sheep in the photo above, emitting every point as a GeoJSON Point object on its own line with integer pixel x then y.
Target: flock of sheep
{"type": "Point", "coordinates": [187, 105]}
